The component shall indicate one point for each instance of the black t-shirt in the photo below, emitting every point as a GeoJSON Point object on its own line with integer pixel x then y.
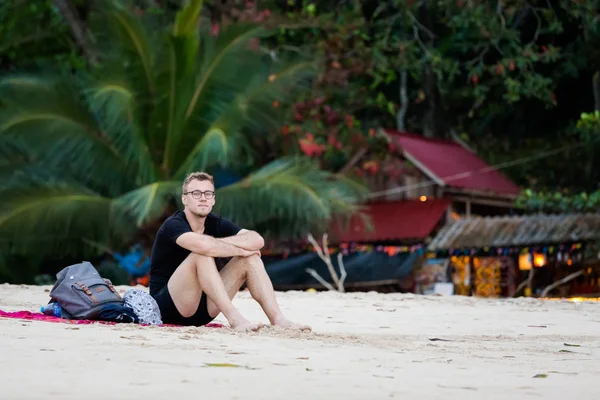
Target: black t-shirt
{"type": "Point", "coordinates": [167, 255]}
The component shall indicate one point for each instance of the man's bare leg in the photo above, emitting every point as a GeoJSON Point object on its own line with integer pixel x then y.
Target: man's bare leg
{"type": "Point", "coordinates": [252, 270]}
{"type": "Point", "coordinates": [198, 274]}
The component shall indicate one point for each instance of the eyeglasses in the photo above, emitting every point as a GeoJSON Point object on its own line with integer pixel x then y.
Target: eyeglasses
{"type": "Point", "coordinates": [208, 194]}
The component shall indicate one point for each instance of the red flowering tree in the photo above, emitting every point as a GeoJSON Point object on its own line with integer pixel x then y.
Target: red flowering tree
{"type": "Point", "coordinates": [434, 68]}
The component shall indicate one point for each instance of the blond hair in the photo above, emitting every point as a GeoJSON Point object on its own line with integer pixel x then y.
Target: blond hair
{"type": "Point", "coordinates": [200, 176]}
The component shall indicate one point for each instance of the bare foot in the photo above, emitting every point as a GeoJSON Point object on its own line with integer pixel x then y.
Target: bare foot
{"type": "Point", "coordinates": [284, 323]}
{"type": "Point", "coordinates": [243, 325]}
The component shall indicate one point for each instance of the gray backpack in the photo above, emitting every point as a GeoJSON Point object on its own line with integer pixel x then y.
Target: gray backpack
{"type": "Point", "coordinates": [82, 292]}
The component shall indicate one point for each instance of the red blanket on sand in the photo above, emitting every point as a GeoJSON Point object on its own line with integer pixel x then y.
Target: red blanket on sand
{"type": "Point", "coordinates": [42, 317]}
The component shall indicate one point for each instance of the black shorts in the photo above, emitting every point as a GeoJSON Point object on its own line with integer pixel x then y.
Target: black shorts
{"type": "Point", "coordinates": [170, 314]}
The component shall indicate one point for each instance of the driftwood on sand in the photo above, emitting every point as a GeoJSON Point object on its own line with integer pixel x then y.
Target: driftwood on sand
{"type": "Point", "coordinates": [324, 255]}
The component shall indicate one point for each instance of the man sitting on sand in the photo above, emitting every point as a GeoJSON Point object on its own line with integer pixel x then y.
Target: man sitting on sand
{"type": "Point", "coordinates": [184, 279]}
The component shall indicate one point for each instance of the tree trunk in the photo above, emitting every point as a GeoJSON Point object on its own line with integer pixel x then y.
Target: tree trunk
{"type": "Point", "coordinates": [400, 124]}
{"type": "Point", "coordinates": [69, 13]}
{"type": "Point", "coordinates": [430, 114]}
{"type": "Point", "coordinates": [430, 123]}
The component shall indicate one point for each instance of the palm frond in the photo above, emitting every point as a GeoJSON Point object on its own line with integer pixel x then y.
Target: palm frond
{"type": "Point", "coordinates": [181, 53]}
{"type": "Point", "coordinates": [17, 89]}
{"type": "Point", "coordinates": [345, 195]}
{"type": "Point", "coordinates": [60, 142]}
{"type": "Point", "coordinates": [288, 190]}
{"type": "Point", "coordinates": [186, 19]}
{"type": "Point", "coordinates": [175, 80]}
{"type": "Point", "coordinates": [113, 102]}
{"type": "Point", "coordinates": [51, 95]}
{"type": "Point", "coordinates": [131, 50]}
{"type": "Point", "coordinates": [16, 171]}
{"type": "Point", "coordinates": [217, 147]}
{"type": "Point", "coordinates": [147, 203]}
{"type": "Point", "coordinates": [217, 53]}
{"type": "Point", "coordinates": [253, 109]}
{"type": "Point", "coordinates": [12, 152]}
{"type": "Point", "coordinates": [53, 217]}
{"type": "Point", "coordinates": [128, 36]}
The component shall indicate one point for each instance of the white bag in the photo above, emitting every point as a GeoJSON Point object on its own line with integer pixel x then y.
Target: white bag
{"type": "Point", "coordinates": [144, 306]}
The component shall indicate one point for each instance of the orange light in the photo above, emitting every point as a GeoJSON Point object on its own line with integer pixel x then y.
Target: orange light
{"type": "Point", "coordinates": [524, 262]}
{"type": "Point", "coordinates": [423, 198]}
{"type": "Point", "coordinates": [539, 260]}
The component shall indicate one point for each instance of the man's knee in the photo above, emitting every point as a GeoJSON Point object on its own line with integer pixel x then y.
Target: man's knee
{"type": "Point", "coordinates": [200, 259]}
{"type": "Point", "coordinates": [253, 260]}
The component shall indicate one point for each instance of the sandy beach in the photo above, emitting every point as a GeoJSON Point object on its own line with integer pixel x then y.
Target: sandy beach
{"type": "Point", "coordinates": [364, 346]}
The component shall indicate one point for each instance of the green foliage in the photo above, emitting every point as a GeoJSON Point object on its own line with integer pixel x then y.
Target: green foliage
{"type": "Point", "coordinates": [553, 202]}
{"type": "Point", "coordinates": [96, 160]}
{"type": "Point", "coordinates": [32, 33]}
{"type": "Point", "coordinates": [588, 126]}
{"type": "Point", "coordinates": [587, 131]}
{"type": "Point", "coordinates": [454, 52]}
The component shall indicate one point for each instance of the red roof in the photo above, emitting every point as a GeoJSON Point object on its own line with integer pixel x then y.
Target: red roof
{"type": "Point", "coordinates": [450, 164]}
{"type": "Point", "coordinates": [394, 220]}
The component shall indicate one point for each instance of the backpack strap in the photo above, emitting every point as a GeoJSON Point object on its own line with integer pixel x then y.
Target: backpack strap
{"type": "Point", "coordinates": [112, 288]}
{"type": "Point", "coordinates": [87, 291]}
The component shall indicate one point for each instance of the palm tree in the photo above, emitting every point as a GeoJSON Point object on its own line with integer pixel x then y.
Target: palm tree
{"type": "Point", "coordinates": [97, 160]}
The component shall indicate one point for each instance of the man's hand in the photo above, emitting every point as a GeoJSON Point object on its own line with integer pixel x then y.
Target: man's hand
{"type": "Point", "coordinates": [245, 239]}
{"type": "Point", "coordinates": [209, 246]}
